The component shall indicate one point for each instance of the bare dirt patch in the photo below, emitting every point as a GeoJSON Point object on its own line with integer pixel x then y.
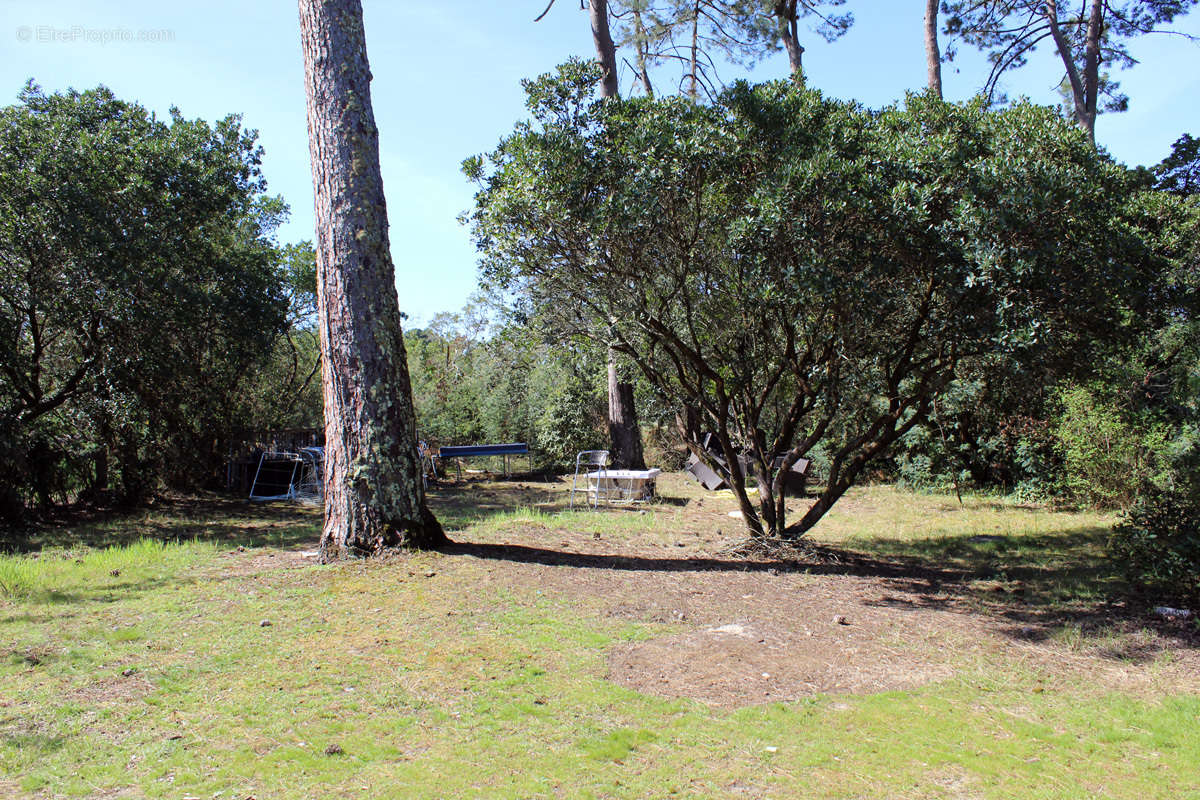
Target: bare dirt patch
{"type": "Point", "coordinates": [250, 561]}
{"type": "Point", "coordinates": [752, 632]}
{"type": "Point", "coordinates": [759, 632]}
{"type": "Point", "coordinates": [746, 631]}
{"type": "Point", "coordinates": [110, 691]}
{"type": "Point", "coordinates": [739, 665]}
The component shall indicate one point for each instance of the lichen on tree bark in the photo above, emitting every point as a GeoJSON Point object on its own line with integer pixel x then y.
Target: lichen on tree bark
{"type": "Point", "coordinates": [374, 497]}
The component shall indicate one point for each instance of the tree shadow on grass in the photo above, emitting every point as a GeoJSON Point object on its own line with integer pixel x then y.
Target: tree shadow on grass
{"type": "Point", "coordinates": [461, 504]}
{"type": "Point", "coordinates": [1029, 587]}
{"type": "Point", "coordinates": [527, 554]}
{"type": "Point", "coordinates": [1059, 585]}
{"type": "Point", "coordinates": [81, 597]}
{"type": "Point", "coordinates": [208, 517]}
{"type": "Point", "coordinates": [1046, 568]}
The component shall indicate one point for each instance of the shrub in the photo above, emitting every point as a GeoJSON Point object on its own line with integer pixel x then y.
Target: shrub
{"type": "Point", "coordinates": [1158, 546]}
{"type": "Point", "coordinates": [664, 448]}
{"type": "Point", "coordinates": [1107, 457]}
{"type": "Point", "coordinates": [571, 420]}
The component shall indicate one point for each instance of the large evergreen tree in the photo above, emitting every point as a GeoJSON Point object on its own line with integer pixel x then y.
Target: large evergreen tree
{"type": "Point", "coordinates": [139, 285]}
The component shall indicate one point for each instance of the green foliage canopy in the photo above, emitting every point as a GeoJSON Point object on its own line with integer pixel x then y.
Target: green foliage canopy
{"type": "Point", "coordinates": [138, 283]}
{"type": "Point", "coordinates": [1179, 172]}
{"type": "Point", "coordinates": [806, 273]}
{"type": "Point", "coordinates": [1009, 31]}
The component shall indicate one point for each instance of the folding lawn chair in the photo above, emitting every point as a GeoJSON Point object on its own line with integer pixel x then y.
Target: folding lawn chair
{"type": "Point", "coordinates": [588, 461]}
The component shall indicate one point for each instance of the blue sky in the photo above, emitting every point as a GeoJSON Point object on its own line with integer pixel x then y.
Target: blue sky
{"type": "Point", "coordinates": [447, 86]}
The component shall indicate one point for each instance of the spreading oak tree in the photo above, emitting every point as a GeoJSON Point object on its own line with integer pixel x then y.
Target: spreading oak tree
{"type": "Point", "coordinates": [139, 286]}
{"type": "Point", "coordinates": [805, 274]}
{"type": "Point", "coordinates": [698, 35]}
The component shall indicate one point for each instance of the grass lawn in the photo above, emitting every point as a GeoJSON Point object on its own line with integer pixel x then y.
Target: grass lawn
{"type": "Point", "coordinates": [926, 651]}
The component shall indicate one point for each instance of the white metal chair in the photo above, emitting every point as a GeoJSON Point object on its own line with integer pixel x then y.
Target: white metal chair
{"type": "Point", "coordinates": [589, 461]}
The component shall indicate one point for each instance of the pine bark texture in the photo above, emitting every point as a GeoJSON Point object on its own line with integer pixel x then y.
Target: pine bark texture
{"type": "Point", "coordinates": [623, 431]}
{"type": "Point", "coordinates": [933, 54]}
{"type": "Point", "coordinates": [625, 440]}
{"type": "Point", "coordinates": [788, 17]}
{"type": "Point", "coordinates": [606, 51]}
{"type": "Point", "coordinates": [374, 497]}
{"type": "Point", "coordinates": [1091, 69]}
{"type": "Point", "coordinates": [1085, 87]}
{"type": "Point", "coordinates": [695, 72]}
{"type": "Point", "coordinates": [640, 44]}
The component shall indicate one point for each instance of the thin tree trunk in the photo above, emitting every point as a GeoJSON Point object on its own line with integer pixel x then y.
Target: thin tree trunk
{"type": "Point", "coordinates": [687, 423]}
{"type": "Point", "coordinates": [1091, 66]}
{"type": "Point", "coordinates": [772, 514]}
{"type": "Point", "coordinates": [785, 12]}
{"type": "Point", "coordinates": [100, 472]}
{"type": "Point", "coordinates": [933, 56]}
{"type": "Point", "coordinates": [641, 47]}
{"type": "Point", "coordinates": [374, 498]}
{"type": "Point", "coordinates": [624, 436]}
{"type": "Point", "coordinates": [621, 432]}
{"type": "Point", "coordinates": [100, 462]}
{"type": "Point", "coordinates": [1079, 91]}
{"type": "Point", "coordinates": [694, 92]}
{"type": "Point", "coordinates": [751, 516]}
{"type": "Point", "coordinates": [606, 51]}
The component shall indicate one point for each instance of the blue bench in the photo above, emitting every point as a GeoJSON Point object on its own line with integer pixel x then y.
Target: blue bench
{"type": "Point", "coordinates": [461, 451]}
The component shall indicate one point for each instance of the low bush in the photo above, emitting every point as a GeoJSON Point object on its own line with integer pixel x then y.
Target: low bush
{"type": "Point", "coordinates": [1108, 457]}
{"type": "Point", "coordinates": [1158, 546]}
{"type": "Point", "coordinates": [664, 448]}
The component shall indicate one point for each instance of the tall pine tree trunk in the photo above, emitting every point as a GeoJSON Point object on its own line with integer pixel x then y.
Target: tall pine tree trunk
{"type": "Point", "coordinates": [641, 44]}
{"type": "Point", "coordinates": [787, 16]}
{"type": "Point", "coordinates": [1091, 68]}
{"type": "Point", "coordinates": [374, 498]}
{"type": "Point", "coordinates": [624, 436]}
{"type": "Point", "coordinates": [1085, 86]}
{"type": "Point", "coordinates": [693, 92]}
{"type": "Point", "coordinates": [933, 55]}
{"type": "Point", "coordinates": [623, 429]}
{"type": "Point", "coordinates": [606, 51]}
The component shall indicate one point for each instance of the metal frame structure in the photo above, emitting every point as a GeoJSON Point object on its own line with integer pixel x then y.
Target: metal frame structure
{"type": "Point", "coordinates": [305, 478]}
{"type": "Point", "coordinates": [586, 460]}
{"type": "Point", "coordinates": [459, 452]}
{"type": "Point", "coordinates": [626, 485]}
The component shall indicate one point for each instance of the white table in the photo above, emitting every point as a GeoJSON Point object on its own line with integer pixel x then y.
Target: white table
{"type": "Point", "coordinates": [623, 485]}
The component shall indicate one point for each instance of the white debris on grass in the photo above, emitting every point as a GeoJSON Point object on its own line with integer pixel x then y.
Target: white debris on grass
{"type": "Point", "coordinates": [733, 628]}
